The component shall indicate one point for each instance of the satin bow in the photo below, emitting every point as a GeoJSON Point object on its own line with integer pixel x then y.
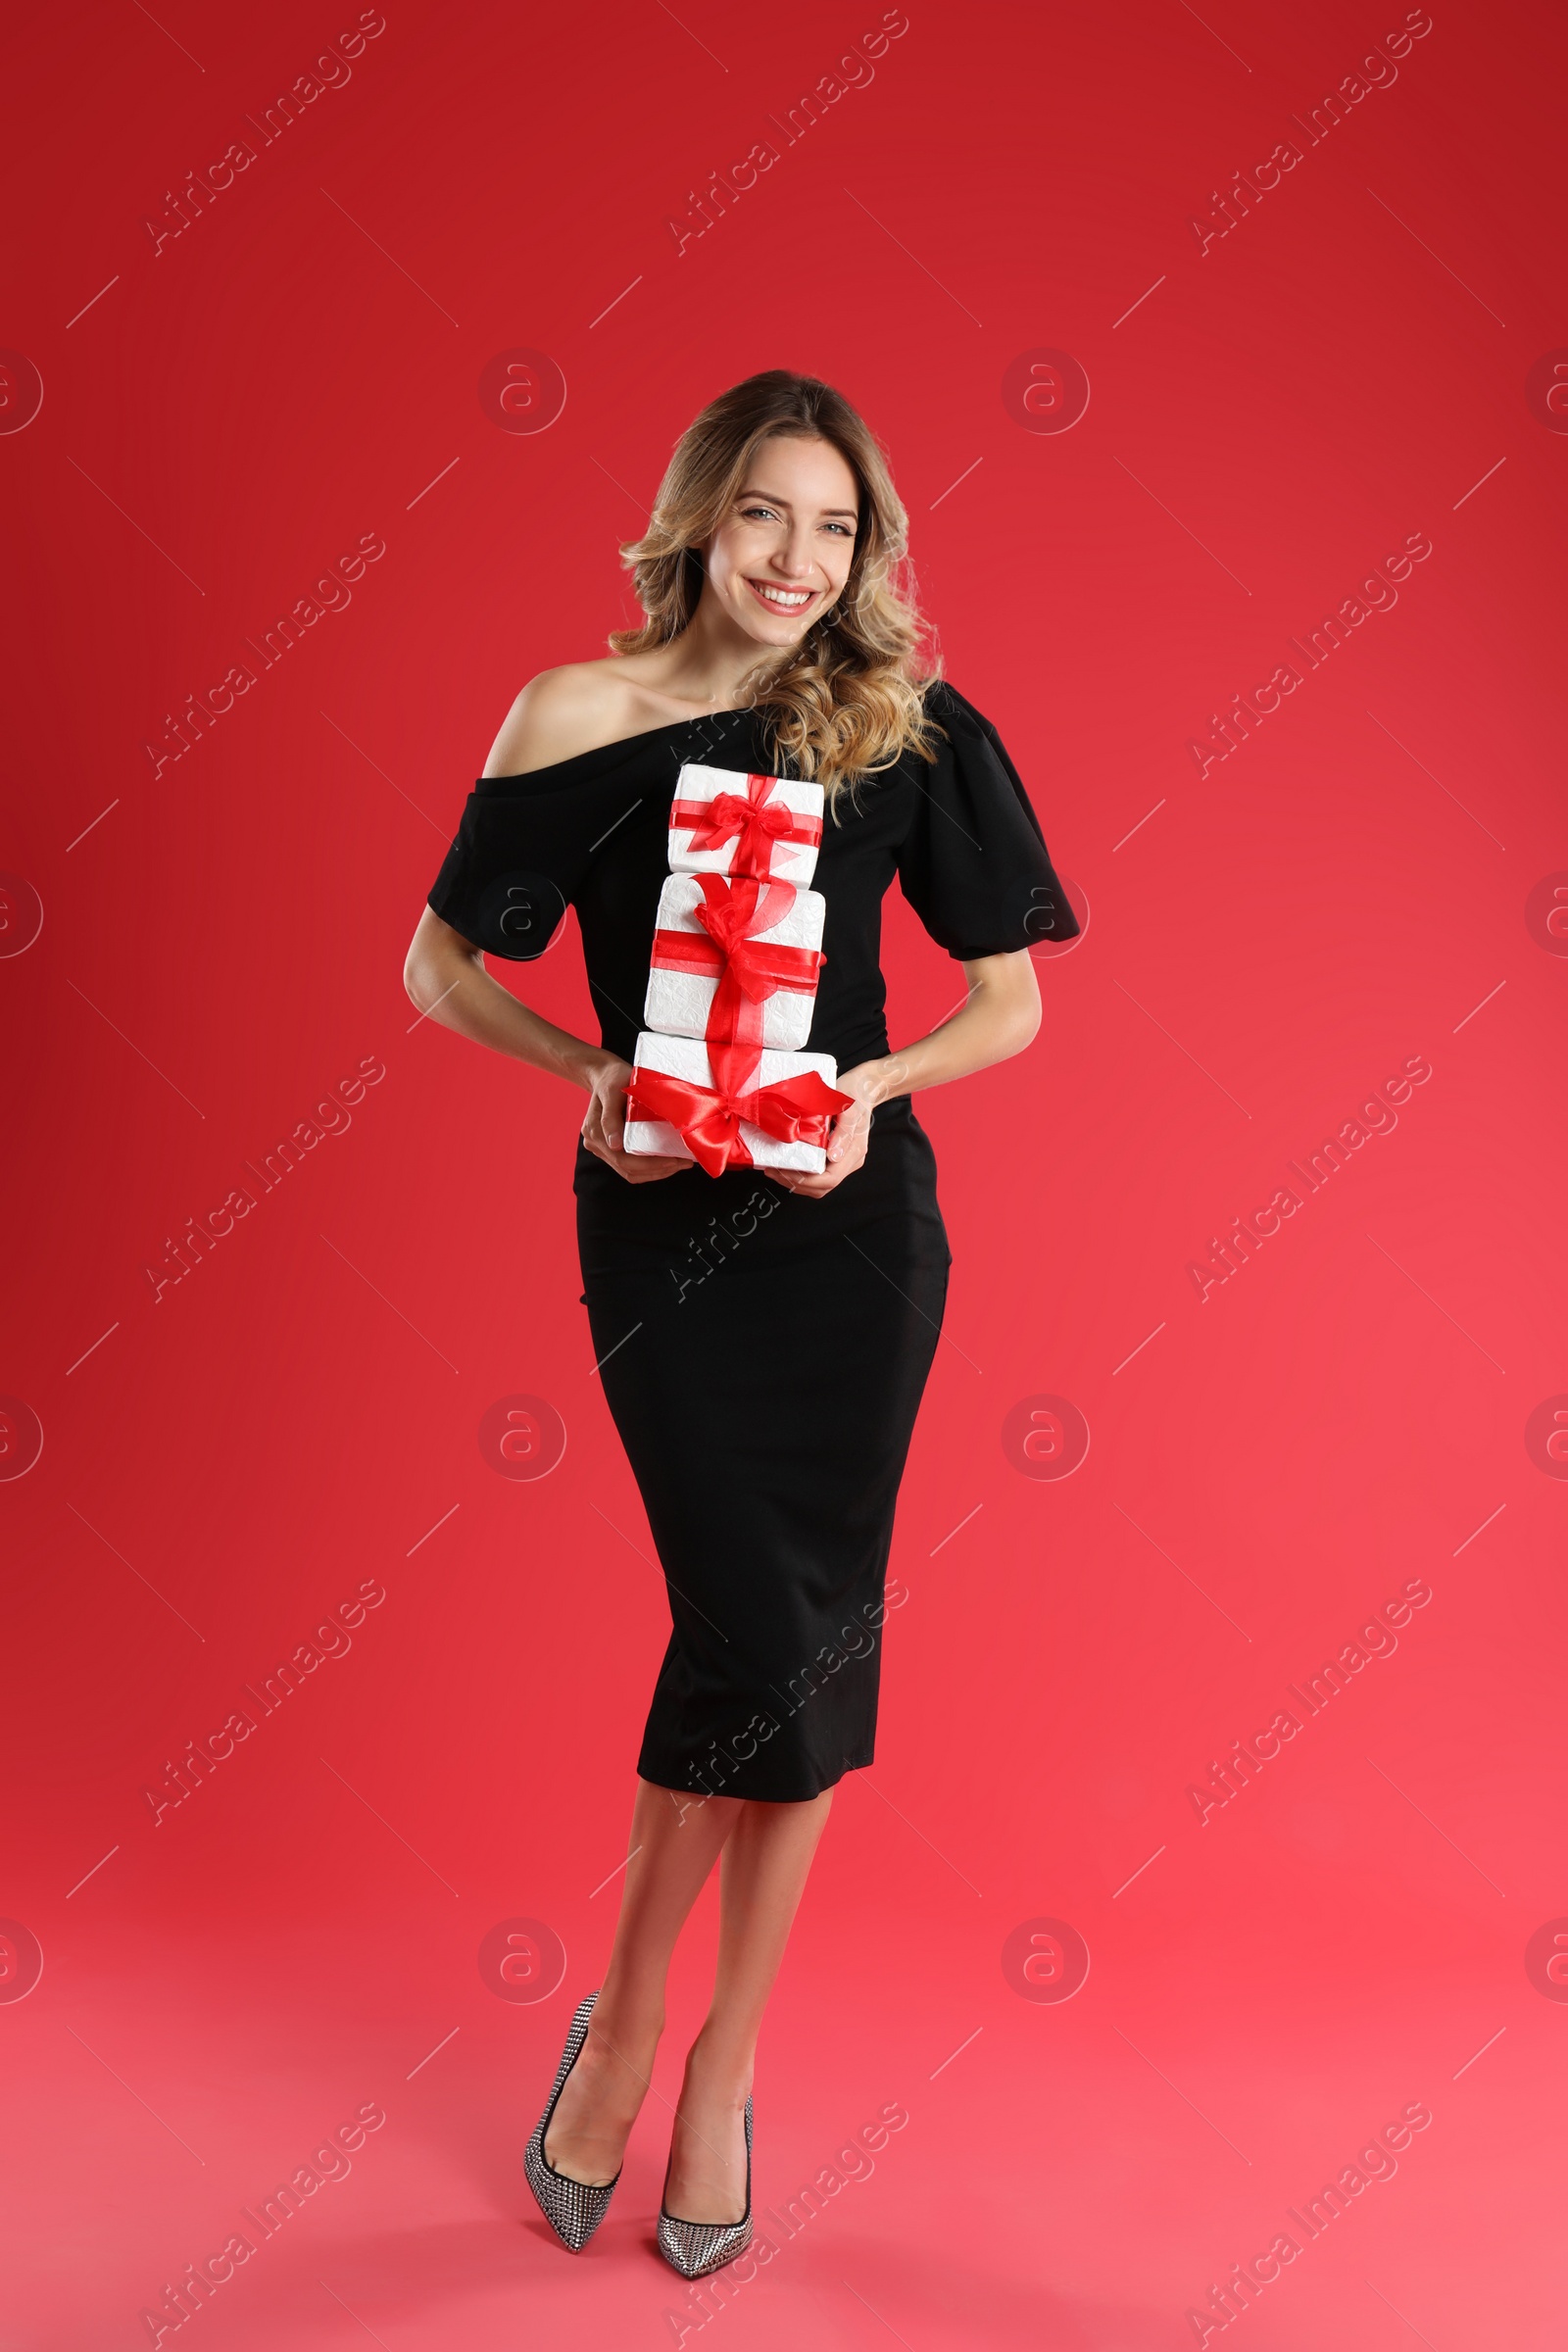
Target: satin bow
{"type": "Point", "coordinates": [754, 969]}
{"type": "Point", "coordinates": [708, 1118]}
{"type": "Point", "coordinates": [754, 823]}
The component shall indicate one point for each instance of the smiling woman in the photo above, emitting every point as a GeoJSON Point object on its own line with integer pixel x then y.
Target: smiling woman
{"type": "Point", "coordinates": [766, 1414]}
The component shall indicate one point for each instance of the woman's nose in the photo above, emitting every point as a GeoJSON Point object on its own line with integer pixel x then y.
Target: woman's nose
{"type": "Point", "coordinates": [794, 557]}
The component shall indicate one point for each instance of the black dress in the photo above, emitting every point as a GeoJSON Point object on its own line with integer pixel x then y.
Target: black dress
{"type": "Point", "coordinates": [763, 1355]}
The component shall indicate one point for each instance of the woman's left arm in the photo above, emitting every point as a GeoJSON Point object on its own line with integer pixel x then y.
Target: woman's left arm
{"type": "Point", "coordinates": [997, 1018]}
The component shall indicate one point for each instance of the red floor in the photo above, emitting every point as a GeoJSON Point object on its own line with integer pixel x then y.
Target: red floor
{"type": "Point", "coordinates": [937, 2157]}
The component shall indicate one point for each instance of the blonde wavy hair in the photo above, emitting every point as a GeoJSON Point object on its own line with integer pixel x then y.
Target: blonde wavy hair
{"type": "Point", "coordinates": [850, 700]}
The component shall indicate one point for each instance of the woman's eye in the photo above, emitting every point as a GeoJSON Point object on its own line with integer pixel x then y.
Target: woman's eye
{"type": "Point", "coordinates": [758, 515]}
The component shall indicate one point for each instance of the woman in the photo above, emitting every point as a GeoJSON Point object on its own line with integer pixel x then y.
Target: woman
{"type": "Point", "coordinates": [763, 1340]}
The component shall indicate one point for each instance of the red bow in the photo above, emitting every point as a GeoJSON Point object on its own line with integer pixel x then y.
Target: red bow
{"type": "Point", "coordinates": [708, 1118]}
{"type": "Point", "coordinates": [734, 912]}
{"type": "Point", "coordinates": [754, 823]}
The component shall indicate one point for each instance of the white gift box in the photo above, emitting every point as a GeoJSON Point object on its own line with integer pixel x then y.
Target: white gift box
{"type": "Point", "coordinates": [687, 1058]}
{"type": "Point", "coordinates": [773, 933]}
{"type": "Point", "coordinates": [727, 821]}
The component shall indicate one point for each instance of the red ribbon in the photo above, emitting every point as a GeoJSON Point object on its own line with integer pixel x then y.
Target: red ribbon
{"type": "Point", "coordinates": [760, 966]}
{"type": "Point", "coordinates": [708, 1118]}
{"type": "Point", "coordinates": [754, 823]}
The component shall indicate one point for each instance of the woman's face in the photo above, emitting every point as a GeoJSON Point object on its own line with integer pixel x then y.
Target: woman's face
{"type": "Point", "coordinates": [783, 552]}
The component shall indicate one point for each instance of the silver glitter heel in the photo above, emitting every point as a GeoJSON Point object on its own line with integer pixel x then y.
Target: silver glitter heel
{"type": "Point", "coordinates": [694, 2248]}
{"type": "Point", "coordinates": [573, 2209]}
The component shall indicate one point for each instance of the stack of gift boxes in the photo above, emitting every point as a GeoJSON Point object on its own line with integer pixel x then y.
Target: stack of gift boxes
{"type": "Point", "coordinates": [720, 1075]}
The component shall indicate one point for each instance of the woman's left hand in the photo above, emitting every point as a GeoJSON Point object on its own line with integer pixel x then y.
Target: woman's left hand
{"type": "Point", "coordinates": [849, 1136]}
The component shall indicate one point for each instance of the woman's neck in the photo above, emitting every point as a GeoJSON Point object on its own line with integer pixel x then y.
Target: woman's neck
{"type": "Point", "coordinates": [709, 661]}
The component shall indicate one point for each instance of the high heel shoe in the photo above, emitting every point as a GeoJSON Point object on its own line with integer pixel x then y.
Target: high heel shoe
{"type": "Point", "coordinates": [573, 2209]}
{"type": "Point", "coordinates": [694, 2248]}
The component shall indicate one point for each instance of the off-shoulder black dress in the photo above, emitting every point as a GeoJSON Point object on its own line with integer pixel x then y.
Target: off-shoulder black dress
{"type": "Point", "coordinates": [763, 1355]}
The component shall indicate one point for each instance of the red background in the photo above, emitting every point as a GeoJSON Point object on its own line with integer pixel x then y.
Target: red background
{"type": "Point", "coordinates": [226, 416]}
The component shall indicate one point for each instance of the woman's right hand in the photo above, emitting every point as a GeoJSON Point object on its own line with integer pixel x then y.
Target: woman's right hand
{"type": "Point", "coordinates": [604, 1128]}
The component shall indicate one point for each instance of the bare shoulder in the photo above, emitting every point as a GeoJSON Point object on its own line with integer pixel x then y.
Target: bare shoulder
{"type": "Point", "coordinates": [564, 712]}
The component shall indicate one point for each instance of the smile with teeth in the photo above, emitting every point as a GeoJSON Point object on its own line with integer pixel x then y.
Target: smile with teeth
{"type": "Point", "coordinates": [783, 600]}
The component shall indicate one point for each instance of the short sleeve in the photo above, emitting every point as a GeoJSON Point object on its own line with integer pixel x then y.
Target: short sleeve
{"type": "Point", "coordinates": [974, 865]}
{"type": "Point", "coordinates": [516, 863]}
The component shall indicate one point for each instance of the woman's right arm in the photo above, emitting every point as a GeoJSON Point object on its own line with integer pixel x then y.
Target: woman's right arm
{"type": "Point", "coordinates": [444, 973]}
{"type": "Point", "coordinates": [445, 976]}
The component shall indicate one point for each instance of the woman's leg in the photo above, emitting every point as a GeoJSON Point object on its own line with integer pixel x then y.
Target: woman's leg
{"type": "Point", "coordinates": [767, 1855]}
{"type": "Point", "coordinates": [673, 1846]}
